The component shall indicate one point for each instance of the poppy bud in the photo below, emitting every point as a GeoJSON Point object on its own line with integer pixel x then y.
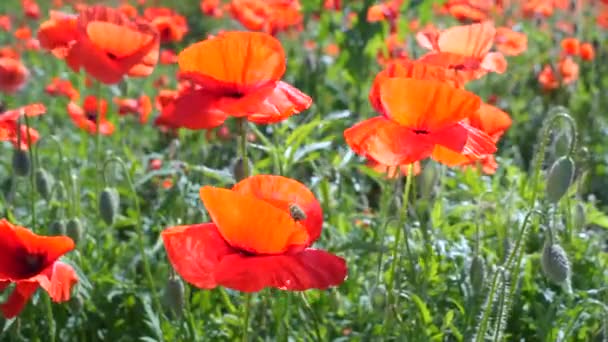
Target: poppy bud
{"type": "Point", "coordinates": [44, 183]}
{"type": "Point", "coordinates": [21, 162]}
{"type": "Point", "coordinates": [296, 212]}
{"type": "Point", "coordinates": [74, 229]}
{"type": "Point", "coordinates": [109, 201]}
{"type": "Point", "coordinates": [57, 228]}
{"type": "Point", "coordinates": [559, 179]}
{"type": "Point", "coordinates": [578, 217]}
{"type": "Point", "coordinates": [477, 273]}
{"type": "Point", "coordinates": [173, 296]}
{"type": "Point", "coordinates": [561, 144]}
{"type": "Point", "coordinates": [378, 297]}
{"type": "Point", "coordinates": [238, 171]}
{"type": "Point", "coordinates": [555, 263]}
{"type": "Point", "coordinates": [61, 193]}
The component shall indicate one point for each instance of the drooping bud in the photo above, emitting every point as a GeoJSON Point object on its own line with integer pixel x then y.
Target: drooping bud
{"type": "Point", "coordinates": [378, 297]}
{"type": "Point", "coordinates": [477, 273]}
{"type": "Point", "coordinates": [559, 179]}
{"type": "Point", "coordinates": [296, 212]}
{"type": "Point", "coordinates": [21, 162]}
{"type": "Point", "coordinates": [74, 229]}
{"type": "Point", "coordinates": [238, 169]}
{"type": "Point", "coordinates": [44, 183]}
{"type": "Point", "coordinates": [173, 296]}
{"type": "Point", "coordinates": [579, 219]}
{"type": "Point", "coordinates": [57, 228]}
{"type": "Point", "coordinates": [555, 263]}
{"type": "Point", "coordinates": [109, 202]}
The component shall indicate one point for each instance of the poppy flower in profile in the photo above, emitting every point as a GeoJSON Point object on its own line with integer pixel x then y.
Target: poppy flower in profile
{"type": "Point", "coordinates": [62, 87]}
{"type": "Point", "coordinates": [571, 46]}
{"type": "Point", "coordinates": [31, 261]}
{"type": "Point", "coordinates": [421, 118]}
{"type": "Point", "coordinates": [465, 49]}
{"type": "Point", "coordinates": [11, 130]}
{"type": "Point", "coordinates": [260, 236]}
{"type": "Point", "coordinates": [509, 42]}
{"type": "Point", "coordinates": [104, 42]}
{"type": "Point", "coordinates": [233, 74]}
{"type": "Point", "coordinates": [85, 117]}
{"type": "Point", "coordinates": [587, 52]}
{"type": "Point", "coordinates": [270, 16]}
{"type": "Point", "coordinates": [141, 107]}
{"type": "Point", "coordinates": [171, 26]}
{"type": "Point", "coordinates": [13, 75]}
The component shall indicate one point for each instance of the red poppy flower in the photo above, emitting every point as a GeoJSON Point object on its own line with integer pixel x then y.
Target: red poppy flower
{"type": "Point", "coordinates": [471, 10]}
{"type": "Point", "coordinates": [90, 42]}
{"type": "Point", "coordinates": [30, 9]}
{"type": "Point", "coordinates": [5, 23]}
{"type": "Point", "coordinates": [234, 74]}
{"type": "Point", "coordinates": [509, 42]}
{"type": "Point", "coordinates": [57, 280]}
{"type": "Point", "coordinates": [211, 8]}
{"type": "Point", "coordinates": [171, 26]}
{"type": "Point", "coordinates": [25, 254]}
{"type": "Point", "coordinates": [13, 75]}
{"type": "Point", "coordinates": [270, 16]}
{"type": "Point", "coordinates": [62, 87]}
{"type": "Point", "coordinates": [571, 46]}
{"type": "Point", "coordinates": [422, 118]}
{"type": "Point", "coordinates": [86, 117]}
{"type": "Point", "coordinates": [587, 52]}
{"type": "Point", "coordinates": [259, 237]}
{"type": "Point", "coordinates": [465, 49]}
{"type": "Point", "coordinates": [11, 130]}
{"type": "Point", "coordinates": [167, 56]}
{"type": "Point", "coordinates": [142, 107]}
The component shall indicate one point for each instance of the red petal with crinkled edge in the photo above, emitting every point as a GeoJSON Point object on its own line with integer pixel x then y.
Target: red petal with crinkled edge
{"type": "Point", "coordinates": [195, 251]}
{"type": "Point", "coordinates": [309, 269]}
{"type": "Point", "coordinates": [18, 298]}
{"type": "Point", "coordinates": [58, 280]}
{"type": "Point", "coordinates": [478, 144]}
{"type": "Point", "coordinates": [194, 109]}
{"type": "Point", "coordinates": [387, 142]}
{"type": "Point", "coordinates": [282, 192]}
{"type": "Point", "coordinates": [283, 102]}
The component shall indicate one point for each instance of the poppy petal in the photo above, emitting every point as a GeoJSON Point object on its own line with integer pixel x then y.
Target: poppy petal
{"type": "Point", "coordinates": [387, 142]}
{"type": "Point", "coordinates": [194, 252]}
{"type": "Point", "coordinates": [491, 120]}
{"type": "Point", "coordinates": [473, 40]}
{"type": "Point", "coordinates": [309, 269]}
{"type": "Point", "coordinates": [284, 101]}
{"type": "Point", "coordinates": [250, 224]}
{"type": "Point", "coordinates": [194, 109]}
{"type": "Point", "coordinates": [424, 104]}
{"type": "Point", "coordinates": [57, 280]}
{"type": "Point", "coordinates": [283, 192]}
{"type": "Point", "coordinates": [18, 298]}
{"type": "Point", "coordinates": [494, 61]}
{"type": "Point", "coordinates": [449, 157]}
{"type": "Point", "coordinates": [478, 143]}
{"type": "Point", "coordinates": [237, 60]}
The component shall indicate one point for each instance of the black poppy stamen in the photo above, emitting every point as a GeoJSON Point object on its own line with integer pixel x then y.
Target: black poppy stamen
{"type": "Point", "coordinates": [421, 131]}
{"type": "Point", "coordinates": [91, 116]}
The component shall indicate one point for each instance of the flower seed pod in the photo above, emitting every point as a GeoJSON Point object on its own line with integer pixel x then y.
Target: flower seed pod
{"type": "Point", "coordinates": [559, 179]}
{"type": "Point", "coordinates": [57, 228]}
{"type": "Point", "coordinates": [44, 183]}
{"type": "Point", "coordinates": [238, 171]}
{"type": "Point", "coordinates": [21, 162]}
{"type": "Point", "coordinates": [74, 229]}
{"type": "Point", "coordinates": [173, 296]}
{"type": "Point", "coordinates": [378, 296]}
{"type": "Point", "coordinates": [109, 202]}
{"type": "Point", "coordinates": [579, 219]}
{"type": "Point", "coordinates": [555, 263]}
{"type": "Point", "coordinates": [477, 273]}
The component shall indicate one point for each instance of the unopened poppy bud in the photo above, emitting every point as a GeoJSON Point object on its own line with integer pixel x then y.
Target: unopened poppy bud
{"type": "Point", "coordinates": [477, 273]}
{"type": "Point", "coordinates": [578, 217]}
{"type": "Point", "coordinates": [378, 297]}
{"type": "Point", "coordinates": [21, 162]}
{"type": "Point", "coordinates": [561, 144]}
{"type": "Point", "coordinates": [44, 183]}
{"type": "Point", "coordinates": [559, 179]}
{"type": "Point", "coordinates": [238, 167]}
{"type": "Point", "coordinates": [57, 228]}
{"type": "Point", "coordinates": [296, 212]}
{"type": "Point", "coordinates": [555, 263]}
{"type": "Point", "coordinates": [74, 229]}
{"type": "Point", "coordinates": [174, 295]}
{"type": "Point", "coordinates": [109, 201]}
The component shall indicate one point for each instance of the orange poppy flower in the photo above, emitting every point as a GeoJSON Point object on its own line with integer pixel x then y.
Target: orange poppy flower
{"type": "Point", "coordinates": [233, 74]}
{"type": "Point", "coordinates": [465, 49]}
{"type": "Point", "coordinates": [128, 10]}
{"type": "Point", "coordinates": [548, 79]}
{"type": "Point", "coordinates": [539, 8]}
{"type": "Point", "coordinates": [422, 118]}
{"type": "Point", "coordinates": [270, 16]}
{"type": "Point", "coordinates": [587, 52]}
{"type": "Point", "coordinates": [30, 9]}
{"type": "Point", "coordinates": [211, 8]}
{"type": "Point", "coordinates": [11, 130]}
{"type": "Point", "coordinates": [5, 23]}
{"type": "Point", "coordinates": [141, 107]}
{"type": "Point", "coordinates": [472, 10]}
{"type": "Point", "coordinates": [262, 239]}
{"type": "Point", "coordinates": [62, 87]}
{"type": "Point", "coordinates": [393, 172]}
{"type": "Point", "coordinates": [568, 70]}
{"type": "Point", "coordinates": [13, 75]}
{"type": "Point", "coordinates": [510, 42]}
{"type": "Point", "coordinates": [395, 50]}
{"type": "Point", "coordinates": [171, 26]}
{"type": "Point", "coordinates": [571, 46]}
{"type": "Point", "coordinates": [89, 42]}
{"type": "Point", "coordinates": [86, 117]}
{"type": "Point", "coordinates": [23, 33]}
{"type": "Point", "coordinates": [9, 52]}
{"type": "Point", "coordinates": [30, 261]}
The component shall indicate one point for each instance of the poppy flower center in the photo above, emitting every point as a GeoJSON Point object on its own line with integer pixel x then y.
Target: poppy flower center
{"type": "Point", "coordinates": [235, 95]}
{"type": "Point", "coordinates": [91, 116]}
{"type": "Point", "coordinates": [421, 131]}
{"type": "Point", "coordinates": [111, 56]}
{"type": "Point", "coordinates": [33, 263]}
